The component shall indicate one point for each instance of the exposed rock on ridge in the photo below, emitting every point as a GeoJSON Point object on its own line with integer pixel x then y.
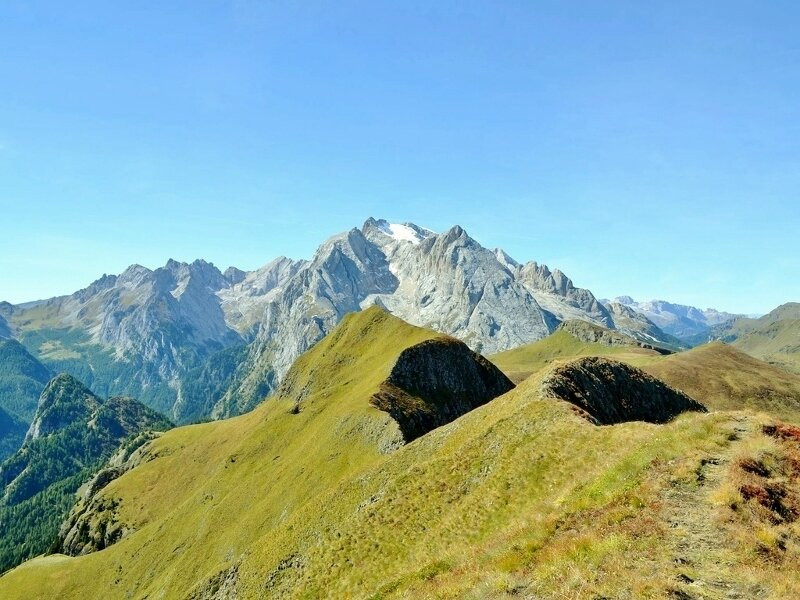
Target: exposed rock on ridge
{"type": "Point", "coordinates": [610, 392]}
{"type": "Point", "coordinates": [436, 382]}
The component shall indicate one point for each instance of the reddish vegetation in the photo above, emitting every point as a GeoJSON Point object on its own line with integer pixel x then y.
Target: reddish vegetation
{"type": "Point", "coordinates": [754, 466]}
{"type": "Point", "coordinates": [780, 498]}
{"type": "Point", "coordinates": [774, 497]}
{"type": "Point", "coordinates": [783, 431]}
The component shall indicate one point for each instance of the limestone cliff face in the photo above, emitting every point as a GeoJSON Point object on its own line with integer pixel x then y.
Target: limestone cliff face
{"type": "Point", "coordinates": [436, 382]}
{"type": "Point", "coordinates": [556, 292]}
{"type": "Point", "coordinates": [452, 284]}
{"type": "Point", "coordinates": [609, 392]}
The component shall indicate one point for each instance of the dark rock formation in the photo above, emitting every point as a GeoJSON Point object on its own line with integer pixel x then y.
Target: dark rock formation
{"type": "Point", "coordinates": [436, 382]}
{"type": "Point", "coordinates": [612, 392]}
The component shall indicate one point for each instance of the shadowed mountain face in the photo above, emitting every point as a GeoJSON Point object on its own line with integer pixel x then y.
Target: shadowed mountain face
{"type": "Point", "coordinates": [436, 382]}
{"type": "Point", "coordinates": [5, 330]}
{"type": "Point", "coordinates": [612, 392]}
{"type": "Point", "coordinates": [12, 433]}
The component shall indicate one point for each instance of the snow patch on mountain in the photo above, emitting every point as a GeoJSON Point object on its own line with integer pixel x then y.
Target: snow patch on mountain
{"type": "Point", "coordinates": [402, 232]}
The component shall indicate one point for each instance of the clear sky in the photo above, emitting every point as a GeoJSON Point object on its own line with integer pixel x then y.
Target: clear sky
{"type": "Point", "coordinates": [645, 148]}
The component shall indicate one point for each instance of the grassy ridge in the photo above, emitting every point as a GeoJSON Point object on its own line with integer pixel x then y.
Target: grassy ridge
{"type": "Point", "coordinates": [519, 363]}
{"type": "Point", "coordinates": [725, 378]}
{"type": "Point", "coordinates": [518, 497]}
{"type": "Point", "coordinates": [774, 338]}
{"type": "Point", "coordinates": [719, 375]}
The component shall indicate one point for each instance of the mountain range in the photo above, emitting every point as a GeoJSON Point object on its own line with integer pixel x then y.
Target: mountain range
{"type": "Point", "coordinates": [418, 416]}
{"type": "Point", "coordinates": [195, 343]}
{"type": "Point", "coordinates": [684, 322]}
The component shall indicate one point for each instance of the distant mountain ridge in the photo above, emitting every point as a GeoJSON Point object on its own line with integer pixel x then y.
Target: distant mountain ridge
{"type": "Point", "coordinates": [193, 342]}
{"type": "Point", "coordinates": [774, 337]}
{"type": "Point", "coordinates": [679, 320]}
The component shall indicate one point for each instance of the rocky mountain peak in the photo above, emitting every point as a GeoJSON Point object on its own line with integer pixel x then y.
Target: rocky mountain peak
{"type": "Point", "coordinates": [233, 275]}
{"type": "Point", "coordinates": [381, 232]}
{"type": "Point", "coordinates": [64, 401]}
{"type": "Point", "coordinates": [134, 275]}
{"type": "Point", "coordinates": [504, 259]}
{"type": "Point", "coordinates": [455, 234]}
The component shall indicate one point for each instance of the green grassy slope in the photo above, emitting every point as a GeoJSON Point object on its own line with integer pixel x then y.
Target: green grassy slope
{"type": "Point", "coordinates": [719, 375]}
{"type": "Point", "coordinates": [774, 338]}
{"type": "Point", "coordinates": [520, 497]}
{"type": "Point", "coordinates": [519, 363]}
{"type": "Point", "coordinates": [725, 378]}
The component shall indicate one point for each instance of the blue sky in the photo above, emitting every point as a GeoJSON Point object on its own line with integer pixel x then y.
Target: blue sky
{"type": "Point", "coordinates": [644, 150]}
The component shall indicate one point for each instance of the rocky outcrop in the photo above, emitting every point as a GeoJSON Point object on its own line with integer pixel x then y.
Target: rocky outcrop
{"type": "Point", "coordinates": [436, 382]}
{"type": "Point", "coordinates": [609, 392]}
{"type": "Point", "coordinates": [593, 334]}
{"type": "Point", "coordinates": [94, 522]}
{"type": "Point", "coordinates": [64, 402]}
